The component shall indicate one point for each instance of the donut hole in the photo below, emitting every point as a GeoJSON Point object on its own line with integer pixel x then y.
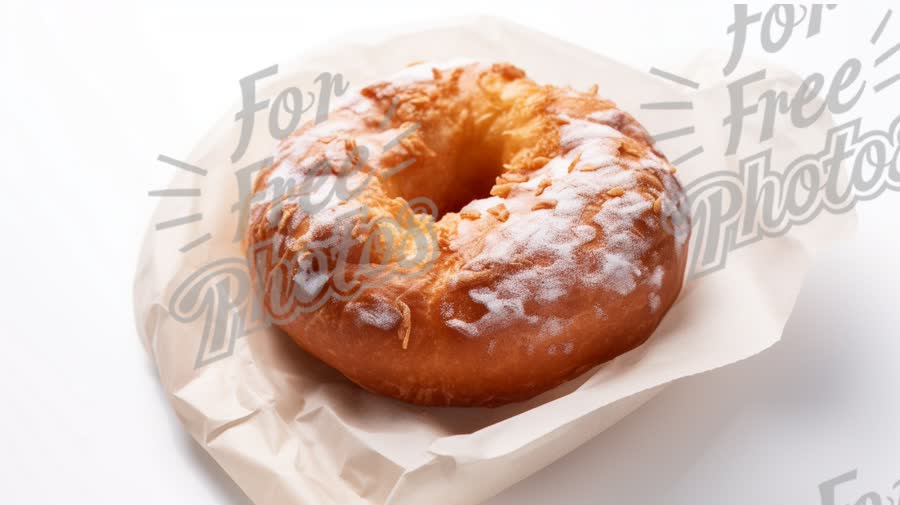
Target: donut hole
{"type": "Point", "coordinates": [477, 169]}
{"type": "Point", "coordinates": [464, 169]}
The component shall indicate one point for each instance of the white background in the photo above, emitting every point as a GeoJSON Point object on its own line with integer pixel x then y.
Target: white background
{"type": "Point", "coordinates": [91, 93]}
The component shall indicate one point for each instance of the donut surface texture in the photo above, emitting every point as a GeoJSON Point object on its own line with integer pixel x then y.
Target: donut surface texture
{"type": "Point", "coordinates": [460, 235]}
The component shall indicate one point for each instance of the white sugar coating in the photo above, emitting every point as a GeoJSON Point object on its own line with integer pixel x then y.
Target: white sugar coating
{"type": "Point", "coordinates": [336, 154]}
{"type": "Point", "coordinates": [528, 234]}
{"type": "Point", "coordinates": [331, 225]}
{"type": "Point", "coordinates": [504, 303]}
{"type": "Point", "coordinates": [353, 100]}
{"type": "Point", "coordinates": [651, 161]}
{"type": "Point", "coordinates": [585, 232]}
{"type": "Point", "coordinates": [572, 190]}
{"type": "Point", "coordinates": [620, 120]}
{"type": "Point", "coordinates": [552, 289]}
{"type": "Point", "coordinates": [379, 314]}
{"type": "Point", "coordinates": [621, 261]}
{"type": "Point", "coordinates": [677, 211]}
{"type": "Point", "coordinates": [297, 146]}
{"type": "Point", "coordinates": [552, 327]}
{"type": "Point", "coordinates": [607, 117]}
{"type": "Point", "coordinates": [491, 346]}
{"type": "Point", "coordinates": [482, 204]}
{"type": "Point", "coordinates": [325, 200]}
{"type": "Point", "coordinates": [310, 280]}
{"type": "Point", "coordinates": [321, 201]}
{"type": "Point", "coordinates": [296, 165]}
{"type": "Point", "coordinates": [596, 143]}
{"type": "Point", "coordinates": [557, 235]}
{"type": "Point", "coordinates": [656, 279]}
{"type": "Point", "coordinates": [468, 329]}
{"type": "Point", "coordinates": [299, 171]}
{"type": "Point", "coordinates": [568, 347]}
{"type": "Point", "coordinates": [618, 273]}
{"type": "Point", "coordinates": [277, 241]}
{"type": "Point", "coordinates": [275, 213]}
{"type": "Point", "coordinates": [578, 132]}
{"type": "Point", "coordinates": [599, 312]}
{"type": "Point", "coordinates": [655, 302]}
{"type": "Point", "coordinates": [360, 106]}
{"type": "Point", "coordinates": [328, 223]}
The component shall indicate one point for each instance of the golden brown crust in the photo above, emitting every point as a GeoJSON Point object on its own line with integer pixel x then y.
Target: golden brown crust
{"type": "Point", "coordinates": [559, 240]}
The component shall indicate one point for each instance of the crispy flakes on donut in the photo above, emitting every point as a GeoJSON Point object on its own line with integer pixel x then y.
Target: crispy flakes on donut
{"type": "Point", "coordinates": [405, 324]}
{"type": "Point", "coordinates": [544, 184]}
{"type": "Point", "coordinates": [544, 204]}
{"type": "Point", "coordinates": [538, 162]}
{"type": "Point", "coordinates": [512, 177]}
{"type": "Point", "coordinates": [500, 212]}
{"type": "Point", "coordinates": [502, 190]}
{"type": "Point", "coordinates": [574, 163]}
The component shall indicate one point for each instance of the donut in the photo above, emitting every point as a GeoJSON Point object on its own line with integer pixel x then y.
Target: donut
{"type": "Point", "coordinates": [459, 235]}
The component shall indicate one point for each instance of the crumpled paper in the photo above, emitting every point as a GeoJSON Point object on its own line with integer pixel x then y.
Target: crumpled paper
{"type": "Point", "coordinates": [289, 430]}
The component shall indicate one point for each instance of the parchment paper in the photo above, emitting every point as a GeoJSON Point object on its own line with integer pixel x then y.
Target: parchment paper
{"type": "Point", "coordinates": [289, 430]}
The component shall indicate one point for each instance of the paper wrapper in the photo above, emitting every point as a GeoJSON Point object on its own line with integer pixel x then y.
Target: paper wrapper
{"type": "Point", "coordinates": [290, 430]}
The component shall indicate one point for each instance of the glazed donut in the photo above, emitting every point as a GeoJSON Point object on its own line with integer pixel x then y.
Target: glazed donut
{"type": "Point", "coordinates": [460, 235]}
